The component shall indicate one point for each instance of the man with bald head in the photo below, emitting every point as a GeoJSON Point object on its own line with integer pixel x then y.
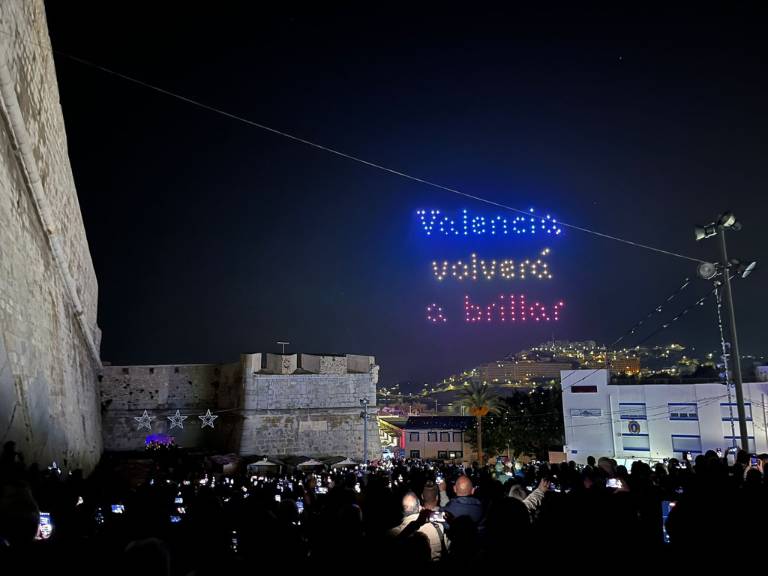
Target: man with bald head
{"type": "Point", "coordinates": [465, 504]}
{"type": "Point", "coordinates": [417, 519]}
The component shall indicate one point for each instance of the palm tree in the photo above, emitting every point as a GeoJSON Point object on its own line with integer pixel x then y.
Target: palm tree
{"type": "Point", "coordinates": [480, 401]}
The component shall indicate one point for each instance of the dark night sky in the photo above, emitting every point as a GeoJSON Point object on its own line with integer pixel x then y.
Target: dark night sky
{"type": "Point", "coordinates": [211, 238]}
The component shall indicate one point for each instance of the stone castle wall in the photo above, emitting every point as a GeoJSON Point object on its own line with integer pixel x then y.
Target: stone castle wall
{"type": "Point", "coordinates": [48, 389]}
{"type": "Point", "coordinates": [126, 391]}
{"type": "Point", "coordinates": [267, 404]}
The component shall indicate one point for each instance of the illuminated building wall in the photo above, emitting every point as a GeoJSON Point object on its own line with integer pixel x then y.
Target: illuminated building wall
{"type": "Point", "coordinates": [651, 422]}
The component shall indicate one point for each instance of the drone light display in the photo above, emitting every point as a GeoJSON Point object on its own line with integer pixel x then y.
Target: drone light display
{"type": "Point", "coordinates": [464, 224]}
{"type": "Point", "coordinates": [473, 269]}
{"type": "Point", "coordinates": [506, 308]}
{"type": "Point", "coordinates": [435, 314]}
{"type": "Point", "coordinates": [512, 308]}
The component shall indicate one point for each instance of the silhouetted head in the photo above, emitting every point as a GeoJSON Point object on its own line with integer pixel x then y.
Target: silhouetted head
{"type": "Point", "coordinates": [19, 514]}
{"type": "Point", "coordinates": [411, 504]}
{"type": "Point", "coordinates": [463, 486]}
{"type": "Point", "coordinates": [149, 557]}
{"type": "Point", "coordinates": [429, 496]}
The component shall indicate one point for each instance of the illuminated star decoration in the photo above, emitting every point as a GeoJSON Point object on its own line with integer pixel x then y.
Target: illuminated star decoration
{"type": "Point", "coordinates": [145, 421]}
{"type": "Point", "coordinates": [207, 419]}
{"type": "Point", "coordinates": [177, 420]}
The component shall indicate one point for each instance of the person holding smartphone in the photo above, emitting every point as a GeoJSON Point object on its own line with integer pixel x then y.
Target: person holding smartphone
{"type": "Point", "coordinates": [19, 516]}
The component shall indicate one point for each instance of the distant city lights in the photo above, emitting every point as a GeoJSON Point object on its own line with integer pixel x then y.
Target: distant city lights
{"type": "Point", "coordinates": [464, 224]}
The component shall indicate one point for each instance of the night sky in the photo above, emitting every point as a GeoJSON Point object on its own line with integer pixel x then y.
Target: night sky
{"type": "Point", "coordinates": [211, 237]}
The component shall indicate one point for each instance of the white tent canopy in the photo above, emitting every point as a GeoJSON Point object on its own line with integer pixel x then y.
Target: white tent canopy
{"type": "Point", "coordinates": [263, 462]}
{"type": "Point", "coordinates": [344, 463]}
{"type": "Point", "coordinates": [311, 463]}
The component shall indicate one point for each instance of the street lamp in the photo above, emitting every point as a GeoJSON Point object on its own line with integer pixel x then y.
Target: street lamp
{"type": "Point", "coordinates": [728, 267]}
{"type": "Point", "coordinates": [364, 416]}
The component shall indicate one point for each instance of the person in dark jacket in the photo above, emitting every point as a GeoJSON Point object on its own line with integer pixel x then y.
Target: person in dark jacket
{"type": "Point", "coordinates": [465, 504]}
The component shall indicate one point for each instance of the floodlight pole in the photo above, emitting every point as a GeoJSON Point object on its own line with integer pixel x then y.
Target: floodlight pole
{"type": "Point", "coordinates": [735, 356]}
{"type": "Point", "coordinates": [364, 416]}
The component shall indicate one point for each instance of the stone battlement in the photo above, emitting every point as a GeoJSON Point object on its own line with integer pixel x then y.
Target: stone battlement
{"type": "Point", "coordinates": [268, 363]}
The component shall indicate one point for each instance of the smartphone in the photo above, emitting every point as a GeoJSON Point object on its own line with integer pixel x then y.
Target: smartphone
{"type": "Point", "coordinates": [754, 461]}
{"type": "Point", "coordinates": [613, 483]}
{"type": "Point", "coordinates": [299, 506]}
{"type": "Point", "coordinates": [278, 498]}
{"type": "Point", "coordinates": [178, 500]}
{"type": "Point", "coordinates": [357, 487]}
{"type": "Point", "coordinates": [322, 490]}
{"type": "Point", "coordinates": [437, 517]}
{"type": "Point", "coordinates": [175, 519]}
{"type": "Point", "coordinates": [46, 526]}
{"type": "Point", "coordinates": [666, 507]}
{"type": "Point", "coordinates": [438, 478]}
{"type": "Point", "coordinates": [118, 509]}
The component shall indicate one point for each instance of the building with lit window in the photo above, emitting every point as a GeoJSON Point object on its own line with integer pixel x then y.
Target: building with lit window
{"type": "Point", "coordinates": [437, 437]}
{"type": "Point", "coordinates": [625, 365]}
{"type": "Point", "coordinates": [512, 371]}
{"type": "Point", "coordinates": [647, 421]}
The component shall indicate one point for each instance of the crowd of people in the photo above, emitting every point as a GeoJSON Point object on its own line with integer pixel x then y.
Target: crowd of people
{"type": "Point", "coordinates": [185, 519]}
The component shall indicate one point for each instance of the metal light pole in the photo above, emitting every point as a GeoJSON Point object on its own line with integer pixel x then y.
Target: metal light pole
{"type": "Point", "coordinates": [725, 346]}
{"type": "Point", "coordinates": [364, 416]}
{"type": "Point", "coordinates": [735, 357]}
{"type": "Point", "coordinates": [283, 344]}
{"type": "Point", "coordinates": [708, 271]}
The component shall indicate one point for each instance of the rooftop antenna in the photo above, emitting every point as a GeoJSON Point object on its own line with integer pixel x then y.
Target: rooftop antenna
{"type": "Point", "coordinates": [283, 344]}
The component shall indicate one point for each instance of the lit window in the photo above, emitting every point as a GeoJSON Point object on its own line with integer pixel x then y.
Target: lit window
{"type": "Point", "coordinates": [632, 410]}
{"type": "Point", "coordinates": [680, 411]}
{"type": "Point", "coordinates": [729, 441]}
{"type": "Point", "coordinates": [686, 443]}
{"type": "Point", "coordinates": [636, 442]}
{"type": "Point", "coordinates": [586, 412]}
{"type": "Point", "coordinates": [731, 411]}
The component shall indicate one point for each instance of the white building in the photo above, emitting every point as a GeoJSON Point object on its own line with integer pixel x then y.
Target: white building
{"type": "Point", "coordinates": [655, 421]}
